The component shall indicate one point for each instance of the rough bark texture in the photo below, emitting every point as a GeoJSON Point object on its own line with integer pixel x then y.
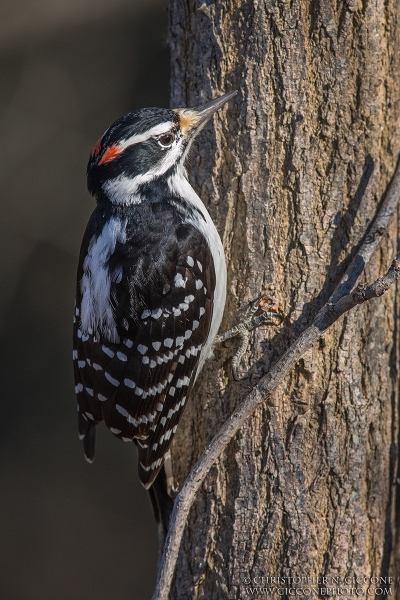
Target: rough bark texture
{"type": "Point", "coordinates": [291, 173]}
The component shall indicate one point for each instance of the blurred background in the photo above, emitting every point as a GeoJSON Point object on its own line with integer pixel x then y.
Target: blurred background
{"type": "Point", "coordinates": [69, 530]}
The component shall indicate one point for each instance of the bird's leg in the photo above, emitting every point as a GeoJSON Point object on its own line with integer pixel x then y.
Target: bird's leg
{"type": "Point", "coordinates": [257, 314]}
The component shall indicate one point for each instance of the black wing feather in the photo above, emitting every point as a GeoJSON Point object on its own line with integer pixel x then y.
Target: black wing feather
{"type": "Point", "coordinates": [162, 303]}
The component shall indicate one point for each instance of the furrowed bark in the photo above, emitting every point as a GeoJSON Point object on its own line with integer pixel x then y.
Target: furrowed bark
{"type": "Point", "coordinates": [291, 173]}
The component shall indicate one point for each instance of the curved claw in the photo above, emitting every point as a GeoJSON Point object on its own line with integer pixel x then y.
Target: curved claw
{"type": "Point", "coordinates": [237, 377]}
{"type": "Point", "coordinates": [267, 316]}
{"type": "Point", "coordinates": [255, 316]}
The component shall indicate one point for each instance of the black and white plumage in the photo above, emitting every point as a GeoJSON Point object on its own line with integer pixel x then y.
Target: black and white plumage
{"type": "Point", "coordinates": [151, 284]}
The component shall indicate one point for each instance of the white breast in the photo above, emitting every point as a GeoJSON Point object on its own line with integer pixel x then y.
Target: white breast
{"type": "Point", "coordinates": [180, 185]}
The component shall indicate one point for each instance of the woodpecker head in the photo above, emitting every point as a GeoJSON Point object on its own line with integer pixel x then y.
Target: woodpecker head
{"type": "Point", "coordinates": [143, 146]}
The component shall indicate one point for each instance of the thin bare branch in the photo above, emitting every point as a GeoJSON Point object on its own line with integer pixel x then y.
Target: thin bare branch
{"type": "Point", "coordinates": [340, 302]}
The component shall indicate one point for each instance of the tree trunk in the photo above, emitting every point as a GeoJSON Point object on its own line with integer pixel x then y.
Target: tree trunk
{"type": "Point", "coordinates": [292, 172]}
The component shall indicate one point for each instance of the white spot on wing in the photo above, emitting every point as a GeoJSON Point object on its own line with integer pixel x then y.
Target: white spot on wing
{"type": "Point", "coordinates": [129, 383]}
{"type": "Point", "coordinates": [107, 351]}
{"type": "Point", "coordinates": [142, 349]}
{"type": "Point", "coordinates": [111, 379]}
{"type": "Point", "coordinates": [179, 281]}
{"type": "Point", "coordinates": [125, 414]}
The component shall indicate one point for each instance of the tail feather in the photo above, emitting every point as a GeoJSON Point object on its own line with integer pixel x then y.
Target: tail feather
{"type": "Point", "coordinates": [87, 433]}
{"type": "Point", "coordinates": [83, 425]}
{"type": "Point", "coordinates": [89, 443]}
{"type": "Point", "coordinates": [162, 502]}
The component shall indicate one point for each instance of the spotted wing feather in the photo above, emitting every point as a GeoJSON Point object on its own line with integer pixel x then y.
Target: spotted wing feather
{"type": "Point", "coordinates": [139, 384]}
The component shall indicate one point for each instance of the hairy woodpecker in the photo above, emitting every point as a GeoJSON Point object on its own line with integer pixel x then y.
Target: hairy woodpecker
{"type": "Point", "coordinates": [151, 283]}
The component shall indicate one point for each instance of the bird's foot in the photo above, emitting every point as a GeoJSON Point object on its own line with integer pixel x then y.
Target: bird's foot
{"type": "Point", "coordinates": [261, 311]}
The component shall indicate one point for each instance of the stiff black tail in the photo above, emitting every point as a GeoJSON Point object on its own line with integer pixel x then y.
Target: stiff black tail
{"type": "Point", "coordinates": [87, 433]}
{"type": "Point", "coordinates": [161, 501]}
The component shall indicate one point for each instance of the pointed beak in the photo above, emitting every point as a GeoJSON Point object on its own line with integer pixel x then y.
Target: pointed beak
{"type": "Point", "coordinates": [192, 120]}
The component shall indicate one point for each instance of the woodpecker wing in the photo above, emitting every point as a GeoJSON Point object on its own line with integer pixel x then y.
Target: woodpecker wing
{"type": "Point", "coordinates": [158, 285]}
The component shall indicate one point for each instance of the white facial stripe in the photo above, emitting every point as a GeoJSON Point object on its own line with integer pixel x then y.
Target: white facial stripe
{"type": "Point", "coordinates": [124, 190]}
{"type": "Point", "coordinates": [142, 137]}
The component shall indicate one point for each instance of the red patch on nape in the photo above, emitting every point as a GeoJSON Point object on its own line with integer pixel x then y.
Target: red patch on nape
{"type": "Point", "coordinates": [97, 147]}
{"type": "Point", "coordinates": [111, 152]}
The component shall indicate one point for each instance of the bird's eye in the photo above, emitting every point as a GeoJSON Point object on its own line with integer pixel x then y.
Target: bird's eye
{"type": "Point", "coordinates": [165, 140]}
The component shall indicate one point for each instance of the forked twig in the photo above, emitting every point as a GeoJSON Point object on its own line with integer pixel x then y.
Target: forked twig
{"type": "Point", "coordinates": [341, 301]}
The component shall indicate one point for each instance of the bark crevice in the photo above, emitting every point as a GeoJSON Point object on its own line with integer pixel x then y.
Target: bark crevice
{"type": "Point", "coordinates": [296, 166]}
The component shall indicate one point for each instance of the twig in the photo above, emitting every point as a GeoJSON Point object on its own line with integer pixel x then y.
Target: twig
{"type": "Point", "coordinates": [340, 302]}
